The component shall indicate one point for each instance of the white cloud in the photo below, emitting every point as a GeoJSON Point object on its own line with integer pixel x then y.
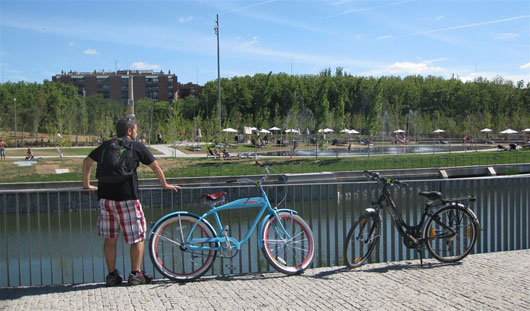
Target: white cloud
{"type": "Point", "coordinates": [185, 19]}
{"type": "Point", "coordinates": [144, 66]}
{"type": "Point", "coordinates": [414, 68]}
{"type": "Point", "coordinates": [90, 52]}
{"type": "Point", "coordinates": [384, 37]}
{"type": "Point", "coordinates": [249, 43]}
{"type": "Point", "coordinates": [470, 25]}
{"type": "Point", "coordinates": [525, 66]}
{"type": "Point", "coordinates": [440, 17]}
{"type": "Point", "coordinates": [340, 2]}
{"type": "Point", "coordinates": [505, 36]}
{"type": "Point", "coordinates": [71, 43]}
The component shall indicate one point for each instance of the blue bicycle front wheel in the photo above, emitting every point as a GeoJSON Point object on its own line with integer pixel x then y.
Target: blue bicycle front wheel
{"type": "Point", "coordinates": [174, 260]}
{"type": "Point", "coordinates": [290, 254]}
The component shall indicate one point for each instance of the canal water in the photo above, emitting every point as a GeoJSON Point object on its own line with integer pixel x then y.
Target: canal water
{"type": "Point", "coordinates": [376, 150]}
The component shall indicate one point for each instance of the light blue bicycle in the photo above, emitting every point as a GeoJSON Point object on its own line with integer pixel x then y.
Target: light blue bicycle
{"type": "Point", "coordinates": [183, 245]}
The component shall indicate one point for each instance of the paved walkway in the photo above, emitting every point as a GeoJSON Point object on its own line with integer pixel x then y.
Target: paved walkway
{"type": "Point", "coordinates": [494, 281]}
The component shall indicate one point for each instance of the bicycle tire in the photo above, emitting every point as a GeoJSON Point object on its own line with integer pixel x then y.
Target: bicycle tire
{"type": "Point", "coordinates": [361, 240]}
{"type": "Point", "coordinates": [288, 256]}
{"type": "Point", "coordinates": [170, 259]}
{"type": "Point", "coordinates": [447, 246]}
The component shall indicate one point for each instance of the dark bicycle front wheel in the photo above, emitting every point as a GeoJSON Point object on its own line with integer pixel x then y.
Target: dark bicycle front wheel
{"type": "Point", "coordinates": [361, 240]}
{"type": "Point", "coordinates": [169, 254]}
{"type": "Point", "coordinates": [450, 233]}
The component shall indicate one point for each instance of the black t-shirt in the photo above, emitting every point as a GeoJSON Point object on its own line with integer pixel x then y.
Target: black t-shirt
{"type": "Point", "coordinates": [127, 190]}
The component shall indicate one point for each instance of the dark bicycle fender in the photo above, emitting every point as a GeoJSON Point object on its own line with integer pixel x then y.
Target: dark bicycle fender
{"type": "Point", "coordinates": [181, 213]}
{"type": "Point", "coordinates": [370, 211]}
{"type": "Point", "coordinates": [462, 206]}
{"type": "Point", "coordinates": [262, 224]}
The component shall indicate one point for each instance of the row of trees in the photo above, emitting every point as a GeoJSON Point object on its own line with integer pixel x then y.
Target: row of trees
{"type": "Point", "coordinates": [371, 105]}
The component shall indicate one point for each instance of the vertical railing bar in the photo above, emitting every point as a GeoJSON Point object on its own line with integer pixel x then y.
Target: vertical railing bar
{"type": "Point", "coordinates": [50, 236]}
{"type": "Point", "coordinates": [319, 225]}
{"type": "Point", "coordinates": [344, 218]}
{"type": "Point", "coordinates": [60, 235]}
{"type": "Point", "coordinates": [328, 235]}
{"type": "Point", "coordinates": [505, 218]}
{"type": "Point", "coordinates": [492, 219]}
{"type": "Point", "coordinates": [384, 228]}
{"type": "Point", "coordinates": [336, 225]}
{"type": "Point", "coordinates": [91, 235]}
{"type": "Point", "coordinates": [406, 253]}
{"type": "Point", "coordinates": [30, 263]}
{"type": "Point", "coordinates": [80, 202]}
{"type": "Point", "coordinates": [18, 237]}
{"type": "Point", "coordinates": [498, 219]}
{"type": "Point", "coordinates": [230, 190]}
{"type": "Point", "coordinates": [311, 215]}
{"type": "Point", "coordinates": [7, 241]}
{"type": "Point", "coordinates": [71, 239]}
{"type": "Point", "coordinates": [519, 207]}
{"type": "Point", "coordinates": [39, 230]}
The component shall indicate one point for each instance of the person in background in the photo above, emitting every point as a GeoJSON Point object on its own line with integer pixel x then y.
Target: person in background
{"type": "Point", "coordinates": [29, 154]}
{"type": "Point", "coordinates": [3, 146]}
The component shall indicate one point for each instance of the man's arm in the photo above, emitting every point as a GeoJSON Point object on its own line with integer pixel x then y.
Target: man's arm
{"type": "Point", "coordinates": [87, 165]}
{"type": "Point", "coordinates": [161, 177]}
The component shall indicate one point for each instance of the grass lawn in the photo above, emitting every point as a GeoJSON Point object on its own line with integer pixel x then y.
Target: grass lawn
{"type": "Point", "coordinates": [44, 169]}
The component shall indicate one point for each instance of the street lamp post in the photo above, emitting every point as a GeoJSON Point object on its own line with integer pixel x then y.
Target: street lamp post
{"type": "Point", "coordinates": [216, 28]}
{"type": "Point", "coordinates": [84, 112]}
{"type": "Point", "coordinates": [15, 102]}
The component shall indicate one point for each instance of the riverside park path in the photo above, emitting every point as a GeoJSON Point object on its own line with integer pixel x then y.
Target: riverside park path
{"type": "Point", "coordinates": [492, 281]}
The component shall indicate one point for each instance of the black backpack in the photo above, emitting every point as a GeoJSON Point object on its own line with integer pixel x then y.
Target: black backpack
{"type": "Point", "coordinates": [116, 163]}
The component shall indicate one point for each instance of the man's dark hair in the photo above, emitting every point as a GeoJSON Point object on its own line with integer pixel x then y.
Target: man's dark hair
{"type": "Point", "coordinates": [123, 125]}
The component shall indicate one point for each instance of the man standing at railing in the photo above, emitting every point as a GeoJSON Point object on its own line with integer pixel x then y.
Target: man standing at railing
{"type": "Point", "coordinates": [118, 197]}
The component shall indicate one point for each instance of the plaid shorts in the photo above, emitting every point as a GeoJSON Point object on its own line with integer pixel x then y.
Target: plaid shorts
{"type": "Point", "coordinates": [127, 215]}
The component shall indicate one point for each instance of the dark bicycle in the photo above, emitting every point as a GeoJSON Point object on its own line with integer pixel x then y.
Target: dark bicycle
{"type": "Point", "coordinates": [448, 227]}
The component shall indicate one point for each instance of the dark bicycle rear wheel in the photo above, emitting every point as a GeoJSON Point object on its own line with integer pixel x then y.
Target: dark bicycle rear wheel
{"type": "Point", "coordinates": [361, 240]}
{"type": "Point", "coordinates": [450, 234]}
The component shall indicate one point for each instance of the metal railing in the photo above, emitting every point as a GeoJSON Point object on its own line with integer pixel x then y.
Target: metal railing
{"type": "Point", "coordinates": [50, 236]}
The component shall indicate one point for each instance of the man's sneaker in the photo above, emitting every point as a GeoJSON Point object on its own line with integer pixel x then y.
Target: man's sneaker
{"type": "Point", "coordinates": [139, 278]}
{"type": "Point", "coordinates": [114, 278]}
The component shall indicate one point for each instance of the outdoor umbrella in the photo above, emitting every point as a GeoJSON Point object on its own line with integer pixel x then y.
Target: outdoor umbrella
{"type": "Point", "coordinates": [292, 131]}
{"type": "Point", "coordinates": [526, 130]}
{"type": "Point", "coordinates": [353, 132]}
{"type": "Point", "coordinates": [438, 131]}
{"type": "Point", "coordinates": [275, 129]}
{"type": "Point", "coordinates": [508, 132]}
{"type": "Point", "coordinates": [264, 131]}
{"type": "Point", "coordinates": [486, 130]}
{"type": "Point", "coordinates": [229, 130]}
{"type": "Point", "coordinates": [399, 131]}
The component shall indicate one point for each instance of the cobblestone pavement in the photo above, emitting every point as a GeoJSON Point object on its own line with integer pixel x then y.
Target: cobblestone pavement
{"type": "Point", "coordinates": [494, 281]}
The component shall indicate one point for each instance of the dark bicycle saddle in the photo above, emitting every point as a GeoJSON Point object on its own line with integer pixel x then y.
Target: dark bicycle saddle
{"type": "Point", "coordinates": [431, 195]}
{"type": "Point", "coordinates": [214, 196]}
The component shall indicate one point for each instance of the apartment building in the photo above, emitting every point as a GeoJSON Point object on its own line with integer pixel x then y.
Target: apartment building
{"type": "Point", "coordinates": [158, 86]}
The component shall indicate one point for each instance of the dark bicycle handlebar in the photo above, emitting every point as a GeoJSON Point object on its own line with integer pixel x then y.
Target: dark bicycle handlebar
{"type": "Point", "coordinates": [377, 177]}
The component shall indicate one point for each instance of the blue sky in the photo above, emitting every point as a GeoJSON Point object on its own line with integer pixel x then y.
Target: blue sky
{"type": "Point", "coordinates": [466, 38]}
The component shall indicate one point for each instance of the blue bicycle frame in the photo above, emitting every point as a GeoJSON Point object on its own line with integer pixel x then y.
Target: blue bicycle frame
{"type": "Point", "coordinates": [252, 202]}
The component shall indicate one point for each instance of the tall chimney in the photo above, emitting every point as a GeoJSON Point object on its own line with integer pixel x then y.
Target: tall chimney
{"type": "Point", "coordinates": [130, 103]}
